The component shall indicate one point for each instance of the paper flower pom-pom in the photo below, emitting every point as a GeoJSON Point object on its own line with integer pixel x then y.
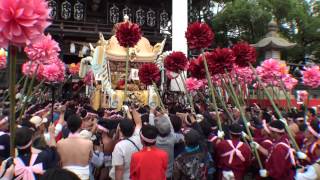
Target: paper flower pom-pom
{"type": "Point", "coordinates": [193, 84]}
{"type": "Point", "coordinates": [176, 62]}
{"type": "Point", "coordinates": [3, 59]}
{"type": "Point", "coordinates": [128, 34]}
{"type": "Point", "coordinates": [29, 68]}
{"type": "Point", "coordinates": [220, 60]}
{"type": "Point", "coordinates": [244, 54]}
{"type": "Point", "coordinates": [22, 21]}
{"type": "Point", "coordinates": [149, 73]}
{"type": "Point", "coordinates": [171, 75]}
{"type": "Point", "coordinates": [289, 82]}
{"type": "Point", "coordinates": [311, 77]}
{"type": "Point", "coordinates": [244, 75]}
{"type": "Point", "coordinates": [272, 72]}
{"type": "Point", "coordinates": [44, 50]}
{"type": "Point", "coordinates": [199, 35]}
{"type": "Point", "coordinates": [54, 72]}
{"type": "Point", "coordinates": [196, 68]}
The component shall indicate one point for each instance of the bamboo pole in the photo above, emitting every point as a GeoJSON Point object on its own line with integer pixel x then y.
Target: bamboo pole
{"type": "Point", "coordinates": [12, 94]}
{"type": "Point", "coordinates": [214, 102]}
{"type": "Point", "coordinates": [276, 109]}
{"type": "Point", "coordinates": [244, 118]}
{"type": "Point", "coordinates": [126, 76]}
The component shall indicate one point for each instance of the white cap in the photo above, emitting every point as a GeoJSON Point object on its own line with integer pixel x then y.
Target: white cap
{"type": "Point", "coordinates": [37, 121]}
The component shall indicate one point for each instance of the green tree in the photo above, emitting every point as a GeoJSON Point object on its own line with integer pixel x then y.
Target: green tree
{"type": "Point", "coordinates": [235, 20]}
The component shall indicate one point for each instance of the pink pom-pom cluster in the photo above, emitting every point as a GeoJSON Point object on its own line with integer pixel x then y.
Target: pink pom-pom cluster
{"type": "Point", "coordinates": [22, 21]}
{"type": "Point", "coordinates": [54, 72]}
{"type": "Point", "coordinates": [311, 77]}
{"type": "Point", "coordinates": [193, 84]}
{"type": "Point", "coordinates": [244, 75]}
{"type": "Point", "coordinates": [273, 72]}
{"type": "Point", "coordinates": [29, 68]}
{"type": "Point", "coordinates": [44, 51]}
{"type": "Point", "coordinates": [289, 82]}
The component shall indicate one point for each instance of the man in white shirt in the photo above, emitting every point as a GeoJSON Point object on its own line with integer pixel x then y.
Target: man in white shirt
{"type": "Point", "coordinates": [129, 144]}
{"type": "Point", "coordinates": [311, 172]}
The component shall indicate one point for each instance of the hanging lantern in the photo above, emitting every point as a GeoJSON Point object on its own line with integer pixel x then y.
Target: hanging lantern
{"type": "Point", "coordinates": [66, 10]}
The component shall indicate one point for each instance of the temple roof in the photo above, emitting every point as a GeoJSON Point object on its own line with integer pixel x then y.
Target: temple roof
{"type": "Point", "coordinates": [273, 39]}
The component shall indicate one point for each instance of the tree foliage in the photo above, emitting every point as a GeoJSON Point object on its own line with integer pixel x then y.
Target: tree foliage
{"type": "Point", "coordinates": [234, 20]}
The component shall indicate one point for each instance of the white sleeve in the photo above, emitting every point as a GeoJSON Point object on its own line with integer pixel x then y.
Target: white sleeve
{"type": "Point", "coordinates": [178, 137]}
{"type": "Point", "coordinates": [168, 118]}
{"type": "Point", "coordinates": [57, 129]}
{"type": "Point", "coordinates": [310, 174]}
{"type": "Point", "coordinates": [117, 156]}
{"type": "Point", "coordinates": [151, 119]}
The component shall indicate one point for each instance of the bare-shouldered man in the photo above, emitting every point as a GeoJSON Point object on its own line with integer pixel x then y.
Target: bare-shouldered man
{"type": "Point", "coordinates": [74, 151]}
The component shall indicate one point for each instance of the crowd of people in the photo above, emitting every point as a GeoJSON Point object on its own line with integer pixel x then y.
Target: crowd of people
{"type": "Point", "coordinates": [142, 143]}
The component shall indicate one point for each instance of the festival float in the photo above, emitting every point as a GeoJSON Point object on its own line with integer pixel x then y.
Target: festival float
{"type": "Point", "coordinates": [107, 63]}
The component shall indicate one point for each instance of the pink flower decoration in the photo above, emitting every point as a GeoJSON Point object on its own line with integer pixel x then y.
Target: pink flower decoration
{"type": "Point", "coordinates": [311, 77]}
{"type": "Point", "coordinates": [54, 72]}
{"type": "Point", "coordinates": [88, 78]}
{"type": "Point", "coordinates": [272, 71]}
{"type": "Point", "coordinates": [3, 59]}
{"type": "Point", "coordinates": [244, 75]}
{"type": "Point", "coordinates": [43, 51]}
{"type": "Point", "coordinates": [289, 82]}
{"type": "Point", "coordinates": [21, 21]}
{"type": "Point", "coordinates": [171, 75]}
{"type": "Point", "coordinates": [193, 84]}
{"type": "Point", "coordinates": [29, 69]}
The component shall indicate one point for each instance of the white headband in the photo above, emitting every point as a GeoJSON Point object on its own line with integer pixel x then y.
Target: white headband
{"type": "Point", "coordinates": [276, 130]}
{"type": "Point", "coordinates": [147, 139]}
{"type": "Point", "coordinates": [101, 128]}
{"type": "Point", "coordinates": [25, 146]}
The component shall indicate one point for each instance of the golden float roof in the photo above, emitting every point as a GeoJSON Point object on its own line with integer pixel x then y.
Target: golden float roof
{"type": "Point", "coordinates": [142, 52]}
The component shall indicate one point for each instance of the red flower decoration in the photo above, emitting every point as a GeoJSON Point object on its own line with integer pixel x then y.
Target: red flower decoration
{"type": "Point", "coordinates": [44, 50]}
{"type": "Point", "coordinates": [21, 21]}
{"type": "Point", "coordinates": [199, 35]}
{"type": "Point", "coordinates": [128, 34]}
{"type": "Point", "coordinates": [244, 54]}
{"type": "Point", "coordinates": [196, 68]}
{"type": "Point", "coordinates": [149, 73]}
{"type": "Point", "coordinates": [176, 62]}
{"type": "Point", "coordinates": [220, 60]}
